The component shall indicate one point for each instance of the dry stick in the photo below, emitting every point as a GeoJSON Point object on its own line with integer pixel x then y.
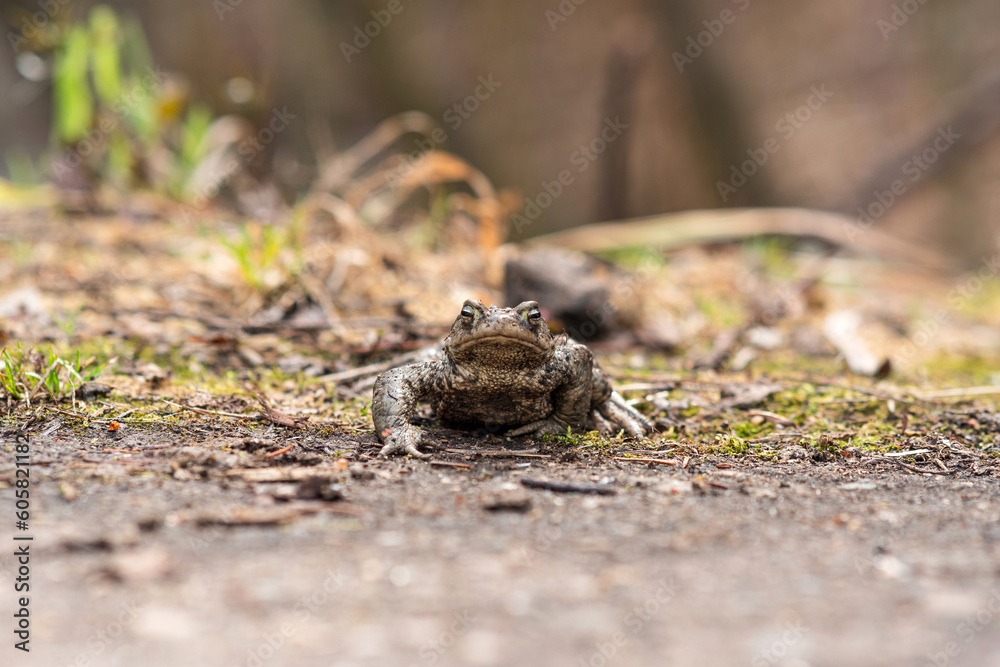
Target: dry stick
{"type": "Point", "coordinates": [38, 385]}
{"type": "Point", "coordinates": [772, 416]}
{"type": "Point", "coordinates": [214, 413]}
{"type": "Point", "coordinates": [279, 452]}
{"type": "Point", "coordinates": [273, 415]}
{"type": "Point", "coordinates": [646, 386]}
{"type": "Point", "coordinates": [914, 468]}
{"type": "Point", "coordinates": [638, 460]}
{"type": "Point", "coordinates": [112, 462]}
{"type": "Point", "coordinates": [502, 453]}
{"type": "Point", "coordinates": [221, 323]}
{"type": "Point", "coordinates": [353, 373]}
{"type": "Point", "coordinates": [689, 228]}
{"type": "Point", "coordinates": [70, 413]}
{"type": "Point", "coordinates": [567, 488]}
{"type": "Point", "coordinates": [777, 437]}
{"type": "Point", "coordinates": [672, 447]}
{"type": "Point", "coordinates": [668, 382]}
{"type": "Point", "coordinates": [687, 460]}
{"type": "Point", "coordinates": [335, 173]}
{"type": "Point", "coordinates": [451, 464]}
{"type": "Point", "coordinates": [370, 369]}
{"type": "Point", "coordinates": [80, 415]}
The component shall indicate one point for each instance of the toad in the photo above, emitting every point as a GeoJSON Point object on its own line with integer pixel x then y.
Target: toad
{"type": "Point", "coordinates": [502, 369]}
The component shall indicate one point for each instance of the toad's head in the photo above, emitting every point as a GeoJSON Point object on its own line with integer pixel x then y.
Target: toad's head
{"type": "Point", "coordinates": [505, 338]}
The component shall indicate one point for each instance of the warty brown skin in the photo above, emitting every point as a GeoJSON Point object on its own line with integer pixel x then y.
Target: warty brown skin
{"type": "Point", "coordinates": [501, 368]}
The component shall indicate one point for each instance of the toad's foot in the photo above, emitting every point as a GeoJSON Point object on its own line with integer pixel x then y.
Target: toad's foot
{"type": "Point", "coordinates": [405, 440]}
{"type": "Point", "coordinates": [618, 414]}
{"type": "Point", "coordinates": [549, 426]}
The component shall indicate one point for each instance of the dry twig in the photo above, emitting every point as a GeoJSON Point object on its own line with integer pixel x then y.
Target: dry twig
{"type": "Point", "coordinates": [640, 460]}
{"type": "Point", "coordinates": [451, 464]}
{"type": "Point", "coordinates": [915, 469]}
{"type": "Point", "coordinates": [214, 413]}
{"type": "Point", "coordinates": [279, 452]}
{"type": "Point", "coordinates": [503, 453]}
{"type": "Point", "coordinates": [275, 416]}
{"type": "Point", "coordinates": [567, 488]}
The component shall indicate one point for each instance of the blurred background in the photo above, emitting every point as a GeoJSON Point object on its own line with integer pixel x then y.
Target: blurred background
{"type": "Point", "coordinates": [886, 110]}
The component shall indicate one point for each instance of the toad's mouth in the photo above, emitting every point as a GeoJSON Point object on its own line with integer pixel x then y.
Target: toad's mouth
{"type": "Point", "coordinates": [494, 338]}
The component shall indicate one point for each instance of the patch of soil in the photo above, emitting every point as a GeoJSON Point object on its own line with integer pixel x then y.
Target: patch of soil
{"type": "Point", "coordinates": [163, 548]}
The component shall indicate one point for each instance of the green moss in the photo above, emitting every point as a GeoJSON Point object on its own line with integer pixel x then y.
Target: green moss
{"type": "Point", "coordinates": [722, 313]}
{"type": "Point", "coordinates": [957, 371]}
{"type": "Point", "coordinates": [982, 303]}
{"type": "Point", "coordinates": [773, 255]}
{"type": "Point", "coordinates": [591, 440]}
{"type": "Point", "coordinates": [749, 430]}
{"type": "Point", "coordinates": [730, 445]}
{"type": "Point", "coordinates": [874, 443]}
{"type": "Point", "coordinates": [688, 413]}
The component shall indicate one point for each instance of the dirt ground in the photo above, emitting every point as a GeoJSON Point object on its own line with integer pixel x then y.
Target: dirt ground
{"type": "Point", "coordinates": [830, 519]}
{"type": "Point", "coordinates": [170, 554]}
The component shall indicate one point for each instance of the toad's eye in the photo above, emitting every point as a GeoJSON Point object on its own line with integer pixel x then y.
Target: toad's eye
{"type": "Point", "coordinates": [534, 316]}
{"type": "Point", "coordinates": [468, 313]}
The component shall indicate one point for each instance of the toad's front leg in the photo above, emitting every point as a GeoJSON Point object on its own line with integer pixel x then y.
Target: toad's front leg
{"type": "Point", "coordinates": [394, 402]}
{"type": "Point", "coordinates": [571, 399]}
{"type": "Point", "coordinates": [618, 414]}
{"type": "Point", "coordinates": [611, 413]}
